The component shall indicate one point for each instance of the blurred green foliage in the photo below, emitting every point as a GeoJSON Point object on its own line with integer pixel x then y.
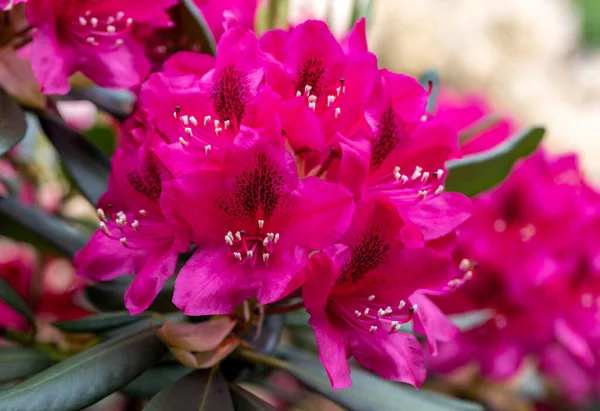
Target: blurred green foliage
{"type": "Point", "coordinates": [590, 14]}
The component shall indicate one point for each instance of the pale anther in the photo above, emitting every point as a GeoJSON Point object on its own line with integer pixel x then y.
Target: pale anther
{"type": "Point", "coordinates": [380, 312]}
{"type": "Point", "coordinates": [101, 214]}
{"type": "Point", "coordinates": [439, 190]}
{"type": "Point", "coordinates": [110, 20]}
{"type": "Point", "coordinates": [250, 254]}
{"type": "Point", "coordinates": [373, 328]}
{"type": "Point", "coordinates": [424, 117]}
{"type": "Point", "coordinates": [330, 100]}
{"type": "Point", "coordinates": [111, 29]}
{"type": "Point", "coordinates": [371, 298]}
{"type": "Point", "coordinates": [228, 240]}
{"type": "Point", "coordinates": [401, 305]}
{"type": "Point", "coordinates": [468, 275]}
{"type": "Point", "coordinates": [465, 264]}
{"type": "Point", "coordinates": [261, 223]}
{"type": "Point", "coordinates": [238, 235]}
{"type": "Point", "coordinates": [129, 21]}
{"type": "Point", "coordinates": [416, 174]}
{"type": "Point", "coordinates": [337, 112]}
{"type": "Point", "coordinates": [276, 239]}
{"type": "Point", "coordinates": [218, 130]}
{"type": "Point", "coordinates": [120, 15]}
{"type": "Point", "coordinates": [91, 40]}
{"type": "Point", "coordinates": [183, 142]}
{"type": "Point", "coordinates": [265, 256]}
{"type": "Point", "coordinates": [118, 42]}
{"type": "Point", "coordinates": [366, 311]}
{"type": "Point", "coordinates": [104, 228]}
{"type": "Point", "coordinates": [188, 131]}
{"type": "Point", "coordinates": [237, 256]}
{"type": "Point", "coordinates": [439, 173]}
{"type": "Point", "coordinates": [135, 225]}
{"type": "Point", "coordinates": [185, 120]}
{"type": "Point", "coordinates": [207, 148]}
{"type": "Point", "coordinates": [396, 170]}
{"type": "Point", "coordinates": [143, 212]}
{"type": "Point", "coordinates": [422, 194]}
{"type": "Point", "coordinates": [94, 21]}
{"type": "Point", "coordinates": [226, 123]}
{"type": "Point", "coordinates": [357, 313]}
{"type": "Point", "coordinates": [398, 327]}
{"type": "Point", "coordinates": [425, 176]}
{"type": "Point", "coordinates": [193, 120]}
{"type": "Point", "coordinates": [123, 241]}
{"type": "Point", "coordinates": [82, 21]}
{"type": "Point", "coordinates": [206, 120]}
{"type": "Point", "coordinates": [298, 93]}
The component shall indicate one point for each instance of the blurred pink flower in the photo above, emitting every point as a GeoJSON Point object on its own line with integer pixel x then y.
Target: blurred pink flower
{"type": "Point", "coordinates": [6, 5]}
{"type": "Point", "coordinates": [536, 241]}
{"type": "Point", "coordinates": [224, 14]}
{"type": "Point", "coordinates": [93, 37]}
{"type": "Point", "coordinates": [80, 115]}
{"type": "Point", "coordinates": [17, 266]}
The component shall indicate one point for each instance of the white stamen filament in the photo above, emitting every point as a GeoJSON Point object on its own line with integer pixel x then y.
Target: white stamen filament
{"type": "Point", "coordinates": [104, 228]}
{"type": "Point", "coordinates": [207, 149]}
{"type": "Point", "coordinates": [439, 190]}
{"type": "Point", "coordinates": [425, 176]}
{"type": "Point", "coordinates": [337, 112]}
{"type": "Point", "coordinates": [188, 131]}
{"type": "Point", "coordinates": [185, 120]}
{"type": "Point", "coordinates": [193, 121]}
{"type": "Point", "coordinates": [330, 100]}
{"type": "Point", "coordinates": [238, 235]}
{"type": "Point", "coordinates": [422, 194]}
{"type": "Point", "coordinates": [206, 120]}
{"type": "Point", "coordinates": [101, 214]}
{"type": "Point", "coordinates": [226, 123]}
{"type": "Point", "coordinates": [265, 257]}
{"type": "Point", "coordinates": [123, 241]}
{"type": "Point", "coordinates": [183, 142]}
{"type": "Point", "coordinates": [371, 298]}
{"type": "Point", "coordinates": [261, 223]}
{"type": "Point", "coordinates": [276, 239]}
{"type": "Point", "coordinates": [228, 240]}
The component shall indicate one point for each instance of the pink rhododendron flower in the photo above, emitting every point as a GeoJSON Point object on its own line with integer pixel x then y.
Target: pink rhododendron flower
{"type": "Point", "coordinates": [255, 222]}
{"type": "Point", "coordinates": [467, 114]}
{"type": "Point", "coordinates": [94, 37]}
{"type": "Point", "coordinates": [223, 14]}
{"type": "Point", "coordinates": [135, 237]}
{"type": "Point", "coordinates": [359, 293]}
{"type": "Point", "coordinates": [18, 267]}
{"type": "Point", "coordinates": [535, 240]}
{"type": "Point", "coordinates": [200, 103]}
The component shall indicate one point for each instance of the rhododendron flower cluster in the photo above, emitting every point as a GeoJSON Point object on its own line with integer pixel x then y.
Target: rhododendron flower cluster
{"type": "Point", "coordinates": [535, 241]}
{"type": "Point", "coordinates": [288, 161]}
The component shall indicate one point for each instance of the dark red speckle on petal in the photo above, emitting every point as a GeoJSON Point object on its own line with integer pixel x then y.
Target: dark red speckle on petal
{"type": "Point", "coordinates": [367, 254]}
{"type": "Point", "coordinates": [387, 137]}
{"type": "Point", "coordinates": [230, 95]}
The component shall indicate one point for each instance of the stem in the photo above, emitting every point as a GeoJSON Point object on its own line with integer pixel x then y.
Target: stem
{"type": "Point", "coordinates": [258, 358]}
{"type": "Point", "coordinates": [207, 389]}
{"type": "Point", "coordinates": [282, 309]}
{"type": "Point", "coordinates": [479, 127]}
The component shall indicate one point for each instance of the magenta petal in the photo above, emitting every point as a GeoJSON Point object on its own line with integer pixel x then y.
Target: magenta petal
{"type": "Point", "coordinates": [573, 342]}
{"type": "Point", "coordinates": [431, 321]}
{"type": "Point", "coordinates": [122, 67]}
{"type": "Point", "coordinates": [302, 127]}
{"type": "Point", "coordinates": [396, 356]}
{"type": "Point", "coordinates": [354, 164]}
{"type": "Point", "coordinates": [188, 62]}
{"type": "Point", "coordinates": [332, 352]}
{"type": "Point", "coordinates": [501, 361]}
{"type": "Point", "coordinates": [321, 213]}
{"type": "Point", "coordinates": [52, 63]}
{"type": "Point", "coordinates": [213, 282]}
{"type": "Point", "coordinates": [439, 215]}
{"type": "Point", "coordinates": [158, 267]}
{"type": "Point", "coordinates": [104, 258]}
{"type": "Point", "coordinates": [356, 40]}
{"type": "Point", "coordinates": [282, 276]}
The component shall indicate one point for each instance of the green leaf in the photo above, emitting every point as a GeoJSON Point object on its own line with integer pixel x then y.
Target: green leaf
{"type": "Point", "coordinates": [476, 173]}
{"type": "Point", "coordinates": [244, 400]}
{"type": "Point", "coordinates": [368, 392]}
{"type": "Point", "coordinates": [87, 165]}
{"type": "Point", "coordinates": [200, 390]}
{"type": "Point", "coordinates": [140, 326]}
{"type": "Point", "coordinates": [431, 80]}
{"type": "Point", "coordinates": [19, 363]}
{"type": "Point", "coordinates": [13, 125]}
{"type": "Point", "coordinates": [109, 296]}
{"type": "Point", "coordinates": [193, 24]}
{"type": "Point", "coordinates": [155, 379]}
{"type": "Point", "coordinates": [99, 322]}
{"type": "Point", "coordinates": [103, 137]}
{"type": "Point", "coordinates": [14, 300]}
{"type": "Point", "coordinates": [32, 225]}
{"type": "Point", "coordinates": [87, 377]}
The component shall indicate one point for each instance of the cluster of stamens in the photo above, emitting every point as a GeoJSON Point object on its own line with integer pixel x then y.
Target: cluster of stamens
{"type": "Point", "coordinates": [428, 182]}
{"type": "Point", "coordinates": [120, 220]}
{"type": "Point", "coordinates": [383, 319]}
{"type": "Point", "coordinates": [331, 99]}
{"type": "Point", "coordinates": [249, 248]}
{"type": "Point", "coordinates": [467, 267]}
{"type": "Point", "coordinates": [189, 123]}
{"type": "Point", "coordinates": [99, 30]}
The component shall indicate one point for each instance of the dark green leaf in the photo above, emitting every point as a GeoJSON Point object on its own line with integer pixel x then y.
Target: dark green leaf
{"type": "Point", "coordinates": [140, 326]}
{"type": "Point", "coordinates": [32, 225]}
{"type": "Point", "coordinates": [193, 24]}
{"type": "Point", "coordinates": [99, 322]}
{"type": "Point", "coordinates": [19, 363]}
{"type": "Point", "coordinates": [201, 387]}
{"type": "Point", "coordinates": [246, 401]}
{"type": "Point", "coordinates": [478, 172]}
{"type": "Point", "coordinates": [87, 377]}
{"type": "Point", "coordinates": [117, 103]}
{"type": "Point", "coordinates": [13, 125]}
{"type": "Point", "coordinates": [155, 379]}
{"type": "Point", "coordinates": [103, 137]}
{"type": "Point", "coordinates": [87, 165]}
{"type": "Point", "coordinates": [13, 299]}
{"type": "Point", "coordinates": [109, 296]}
{"type": "Point", "coordinates": [431, 81]}
{"type": "Point", "coordinates": [368, 392]}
